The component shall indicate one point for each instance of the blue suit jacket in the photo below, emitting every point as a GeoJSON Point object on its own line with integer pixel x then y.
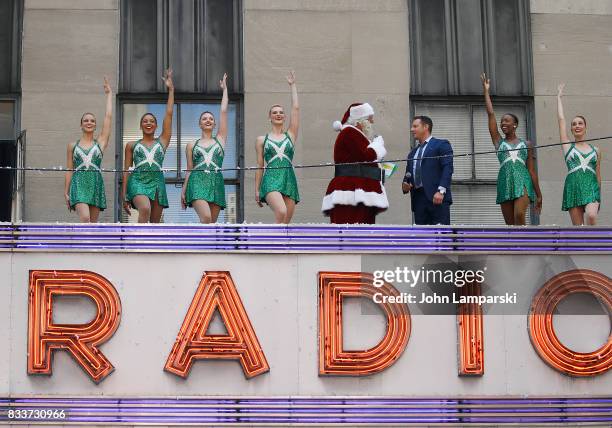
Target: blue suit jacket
{"type": "Point", "coordinates": [434, 172]}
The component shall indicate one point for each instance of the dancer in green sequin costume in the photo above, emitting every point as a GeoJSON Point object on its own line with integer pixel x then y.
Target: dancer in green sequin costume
{"type": "Point", "coordinates": [278, 186]}
{"type": "Point", "coordinates": [581, 193]}
{"type": "Point", "coordinates": [145, 188]}
{"type": "Point", "coordinates": [204, 188]}
{"type": "Point", "coordinates": [517, 181]}
{"type": "Point", "coordinates": [84, 187]}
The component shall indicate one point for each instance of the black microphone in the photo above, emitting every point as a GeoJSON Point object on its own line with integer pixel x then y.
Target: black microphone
{"type": "Point", "coordinates": [406, 180]}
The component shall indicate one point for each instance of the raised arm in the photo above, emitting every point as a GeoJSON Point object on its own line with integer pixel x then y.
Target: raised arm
{"type": "Point", "coordinates": [108, 116]}
{"type": "Point", "coordinates": [166, 134]}
{"type": "Point", "coordinates": [531, 166]}
{"type": "Point", "coordinates": [260, 163]}
{"type": "Point", "coordinates": [561, 118]}
{"type": "Point", "coordinates": [189, 156]}
{"type": "Point", "coordinates": [69, 167]}
{"type": "Point", "coordinates": [127, 163]}
{"type": "Point", "coordinates": [294, 125]}
{"type": "Point", "coordinates": [493, 131]}
{"type": "Point", "coordinates": [222, 133]}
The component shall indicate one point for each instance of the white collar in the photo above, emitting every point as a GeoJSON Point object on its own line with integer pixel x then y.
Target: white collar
{"type": "Point", "coordinates": [419, 145]}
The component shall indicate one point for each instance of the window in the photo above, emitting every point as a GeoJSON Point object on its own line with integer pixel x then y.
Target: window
{"type": "Point", "coordinates": [11, 13]}
{"type": "Point", "coordinates": [200, 40]}
{"type": "Point", "coordinates": [452, 42]}
{"type": "Point", "coordinates": [185, 129]}
{"type": "Point", "coordinates": [11, 16]}
{"type": "Point", "coordinates": [7, 120]}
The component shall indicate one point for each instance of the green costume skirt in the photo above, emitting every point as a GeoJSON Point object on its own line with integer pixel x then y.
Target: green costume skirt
{"type": "Point", "coordinates": [580, 190]}
{"type": "Point", "coordinates": [513, 182]}
{"type": "Point", "coordinates": [148, 183]}
{"type": "Point", "coordinates": [279, 180]}
{"type": "Point", "coordinates": [87, 187]}
{"type": "Point", "coordinates": [207, 186]}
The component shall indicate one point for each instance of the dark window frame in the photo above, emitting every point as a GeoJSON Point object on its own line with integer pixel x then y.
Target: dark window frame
{"type": "Point", "coordinates": [164, 54]}
{"type": "Point", "coordinates": [16, 34]}
{"type": "Point", "coordinates": [450, 35]}
{"type": "Point", "coordinates": [12, 93]}
{"type": "Point", "coordinates": [15, 99]}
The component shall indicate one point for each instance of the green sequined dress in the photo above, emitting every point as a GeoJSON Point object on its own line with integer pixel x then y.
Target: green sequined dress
{"type": "Point", "coordinates": [147, 177]}
{"type": "Point", "coordinates": [581, 186]}
{"type": "Point", "coordinates": [279, 154]}
{"type": "Point", "coordinates": [205, 182]}
{"type": "Point", "coordinates": [513, 178]}
{"type": "Point", "coordinates": [87, 184]}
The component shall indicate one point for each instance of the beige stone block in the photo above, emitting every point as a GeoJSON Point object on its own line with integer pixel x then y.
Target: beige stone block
{"type": "Point", "coordinates": [380, 52]}
{"type": "Point", "coordinates": [59, 112]}
{"type": "Point", "coordinates": [324, 5]}
{"type": "Point", "coordinates": [588, 7]}
{"type": "Point", "coordinates": [316, 45]}
{"type": "Point", "coordinates": [5, 325]}
{"type": "Point", "coordinates": [72, 4]}
{"type": "Point", "coordinates": [575, 49]}
{"type": "Point", "coordinates": [44, 198]}
{"type": "Point", "coordinates": [70, 51]}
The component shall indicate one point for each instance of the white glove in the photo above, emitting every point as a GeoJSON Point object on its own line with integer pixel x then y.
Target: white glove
{"type": "Point", "coordinates": [378, 145]}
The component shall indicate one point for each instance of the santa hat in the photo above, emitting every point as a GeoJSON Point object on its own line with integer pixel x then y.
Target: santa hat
{"type": "Point", "coordinates": [355, 112]}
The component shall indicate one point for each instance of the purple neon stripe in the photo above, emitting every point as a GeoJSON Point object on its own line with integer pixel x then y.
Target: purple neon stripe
{"type": "Point", "coordinates": [547, 240]}
{"type": "Point", "coordinates": [519, 419]}
{"type": "Point", "coordinates": [316, 247]}
{"type": "Point", "coordinates": [316, 401]}
{"type": "Point", "coordinates": [536, 400]}
{"type": "Point", "coordinates": [320, 238]}
{"type": "Point", "coordinates": [208, 419]}
{"type": "Point", "coordinates": [105, 240]}
{"type": "Point", "coordinates": [347, 411]}
{"type": "Point", "coordinates": [332, 228]}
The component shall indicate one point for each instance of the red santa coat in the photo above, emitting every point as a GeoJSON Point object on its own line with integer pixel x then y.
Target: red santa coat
{"type": "Point", "coordinates": [353, 146]}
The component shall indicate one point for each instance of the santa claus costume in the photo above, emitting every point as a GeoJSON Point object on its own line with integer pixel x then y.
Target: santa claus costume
{"type": "Point", "coordinates": [356, 194]}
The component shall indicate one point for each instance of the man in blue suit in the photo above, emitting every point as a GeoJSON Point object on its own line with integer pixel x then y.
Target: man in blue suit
{"type": "Point", "coordinates": [428, 175]}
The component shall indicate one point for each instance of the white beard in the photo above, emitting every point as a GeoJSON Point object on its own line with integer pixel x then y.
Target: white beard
{"type": "Point", "coordinates": [367, 128]}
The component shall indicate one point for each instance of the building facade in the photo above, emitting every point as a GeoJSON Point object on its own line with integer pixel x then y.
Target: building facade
{"type": "Point", "coordinates": [405, 57]}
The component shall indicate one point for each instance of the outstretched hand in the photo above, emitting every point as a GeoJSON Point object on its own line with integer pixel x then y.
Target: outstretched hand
{"type": "Point", "coordinates": [291, 78]}
{"type": "Point", "coordinates": [486, 83]}
{"type": "Point", "coordinates": [167, 78]}
{"type": "Point", "coordinates": [107, 86]}
{"type": "Point", "coordinates": [223, 82]}
{"type": "Point", "coordinates": [560, 89]}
